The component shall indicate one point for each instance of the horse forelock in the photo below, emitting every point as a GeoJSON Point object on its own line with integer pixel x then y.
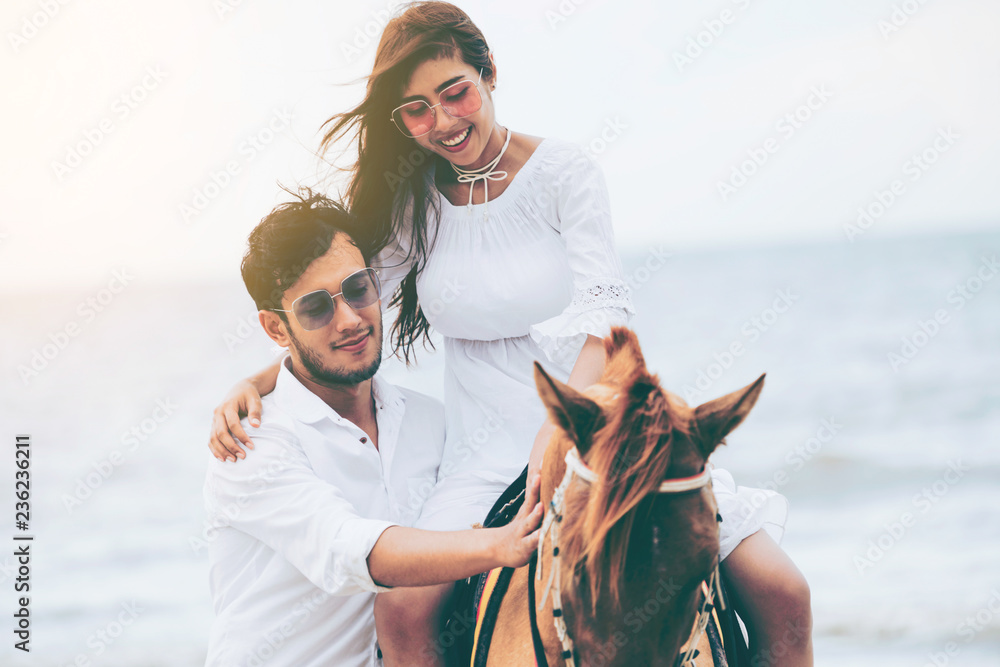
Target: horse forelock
{"type": "Point", "coordinates": [631, 456]}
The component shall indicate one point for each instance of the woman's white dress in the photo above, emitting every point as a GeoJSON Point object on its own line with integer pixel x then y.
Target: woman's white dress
{"type": "Point", "coordinates": [524, 278]}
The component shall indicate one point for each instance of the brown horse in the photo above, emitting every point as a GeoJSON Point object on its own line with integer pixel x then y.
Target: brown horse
{"type": "Point", "coordinates": [631, 556]}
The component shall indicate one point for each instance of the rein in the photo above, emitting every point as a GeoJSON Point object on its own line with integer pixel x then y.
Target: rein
{"type": "Point", "coordinates": [575, 467]}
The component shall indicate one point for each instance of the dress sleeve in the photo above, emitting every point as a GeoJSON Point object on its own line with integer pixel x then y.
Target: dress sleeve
{"type": "Point", "coordinates": [601, 298]}
{"type": "Point", "coordinates": [277, 498]}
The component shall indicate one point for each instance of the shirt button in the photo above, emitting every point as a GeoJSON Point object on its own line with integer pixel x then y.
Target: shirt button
{"type": "Point", "coordinates": [364, 439]}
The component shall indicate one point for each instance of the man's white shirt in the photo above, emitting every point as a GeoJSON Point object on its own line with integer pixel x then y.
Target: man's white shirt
{"type": "Point", "coordinates": [298, 517]}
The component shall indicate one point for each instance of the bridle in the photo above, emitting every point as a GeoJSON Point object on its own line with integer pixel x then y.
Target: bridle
{"type": "Point", "coordinates": [575, 467]}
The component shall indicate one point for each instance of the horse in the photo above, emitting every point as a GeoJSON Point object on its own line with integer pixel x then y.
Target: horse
{"type": "Point", "coordinates": [630, 538]}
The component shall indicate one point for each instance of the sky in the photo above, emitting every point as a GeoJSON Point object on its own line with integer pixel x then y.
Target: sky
{"type": "Point", "coordinates": [152, 137]}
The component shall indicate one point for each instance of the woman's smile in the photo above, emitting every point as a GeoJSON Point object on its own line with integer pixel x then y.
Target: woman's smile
{"type": "Point", "coordinates": [458, 141]}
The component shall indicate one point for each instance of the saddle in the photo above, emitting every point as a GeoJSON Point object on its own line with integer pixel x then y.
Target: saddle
{"type": "Point", "coordinates": [472, 595]}
{"type": "Point", "coordinates": [479, 597]}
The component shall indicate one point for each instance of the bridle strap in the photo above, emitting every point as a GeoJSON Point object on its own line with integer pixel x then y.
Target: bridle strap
{"type": "Point", "coordinates": [679, 485]}
{"type": "Point", "coordinates": [550, 524]}
{"type": "Point", "coordinates": [686, 483]}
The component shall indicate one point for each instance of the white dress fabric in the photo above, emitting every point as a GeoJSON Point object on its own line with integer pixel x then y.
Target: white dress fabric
{"type": "Point", "coordinates": [522, 278]}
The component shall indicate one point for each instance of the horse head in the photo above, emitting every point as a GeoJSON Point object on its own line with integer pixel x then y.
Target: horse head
{"type": "Point", "coordinates": [632, 558]}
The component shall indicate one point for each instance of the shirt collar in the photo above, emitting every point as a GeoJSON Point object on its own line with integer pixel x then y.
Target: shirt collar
{"type": "Point", "coordinates": [302, 404]}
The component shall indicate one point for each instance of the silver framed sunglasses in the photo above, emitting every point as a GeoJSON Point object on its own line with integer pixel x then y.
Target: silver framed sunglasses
{"type": "Point", "coordinates": [315, 310]}
{"type": "Point", "coordinates": [417, 118]}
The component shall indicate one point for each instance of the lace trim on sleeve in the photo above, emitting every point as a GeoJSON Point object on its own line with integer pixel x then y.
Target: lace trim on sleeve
{"type": "Point", "coordinates": [601, 293]}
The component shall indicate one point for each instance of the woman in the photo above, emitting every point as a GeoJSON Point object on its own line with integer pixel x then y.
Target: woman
{"type": "Point", "coordinates": [503, 242]}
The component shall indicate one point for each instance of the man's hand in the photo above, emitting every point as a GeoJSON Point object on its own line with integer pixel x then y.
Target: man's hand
{"type": "Point", "coordinates": [519, 539]}
{"type": "Point", "coordinates": [404, 556]}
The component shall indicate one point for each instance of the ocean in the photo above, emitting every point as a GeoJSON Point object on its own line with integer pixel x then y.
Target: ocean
{"type": "Point", "coordinates": [879, 421]}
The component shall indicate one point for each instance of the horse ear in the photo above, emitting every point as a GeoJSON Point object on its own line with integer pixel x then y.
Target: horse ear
{"type": "Point", "coordinates": [624, 344]}
{"type": "Point", "coordinates": [576, 414]}
{"type": "Point", "coordinates": [717, 419]}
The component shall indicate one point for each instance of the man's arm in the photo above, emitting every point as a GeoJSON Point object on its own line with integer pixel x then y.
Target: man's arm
{"type": "Point", "coordinates": [414, 557]}
{"type": "Point", "coordinates": [276, 497]}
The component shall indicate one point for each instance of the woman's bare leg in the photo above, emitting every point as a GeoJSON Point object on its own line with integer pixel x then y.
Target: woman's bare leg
{"type": "Point", "coordinates": [409, 623]}
{"type": "Point", "coordinates": [772, 598]}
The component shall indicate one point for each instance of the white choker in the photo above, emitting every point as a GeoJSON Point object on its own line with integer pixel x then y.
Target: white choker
{"type": "Point", "coordinates": [485, 174]}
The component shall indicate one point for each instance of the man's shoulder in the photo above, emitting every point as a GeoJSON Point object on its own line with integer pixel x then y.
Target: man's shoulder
{"type": "Point", "coordinates": [272, 416]}
{"type": "Point", "coordinates": [277, 427]}
{"type": "Point", "coordinates": [275, 440]}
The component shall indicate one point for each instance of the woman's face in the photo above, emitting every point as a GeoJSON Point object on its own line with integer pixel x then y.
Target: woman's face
{"type": "Point", "coordinates": [461, 141]}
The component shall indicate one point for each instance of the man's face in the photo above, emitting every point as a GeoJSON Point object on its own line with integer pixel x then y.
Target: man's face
{"type": "Point", "coordinates": [348, 350]}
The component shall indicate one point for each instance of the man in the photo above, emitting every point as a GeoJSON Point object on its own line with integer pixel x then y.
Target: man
{"type": "Point", "coordinates": [315, 522]}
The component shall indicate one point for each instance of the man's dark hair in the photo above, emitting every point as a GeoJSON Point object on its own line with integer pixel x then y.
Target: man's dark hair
{"type": "Point", "coordinates": [287, 241]}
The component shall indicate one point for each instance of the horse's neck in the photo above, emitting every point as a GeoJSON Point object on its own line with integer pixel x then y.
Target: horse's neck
{"type": "Point", "coordinates": [546, 626]}
{"type": "Point", "coordinates": [512, 643]}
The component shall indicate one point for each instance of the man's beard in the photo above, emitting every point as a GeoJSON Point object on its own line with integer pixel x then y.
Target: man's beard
{"type": "Point", "coordinates": [338, 376]}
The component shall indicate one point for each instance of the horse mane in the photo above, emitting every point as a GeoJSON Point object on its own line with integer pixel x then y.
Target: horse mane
{"type": "Point", "coordinates": [631, 454]}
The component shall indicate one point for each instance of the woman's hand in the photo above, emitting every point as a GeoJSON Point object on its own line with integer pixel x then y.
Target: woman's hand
{"type": "Point", "coordinates": [519, 538]}
{"type": "Point", "coordinates": [242, 400]}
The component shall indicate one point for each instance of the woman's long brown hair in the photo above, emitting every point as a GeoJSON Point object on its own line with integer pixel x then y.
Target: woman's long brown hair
{"type": "Point", "coordinates": [393, 170]}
